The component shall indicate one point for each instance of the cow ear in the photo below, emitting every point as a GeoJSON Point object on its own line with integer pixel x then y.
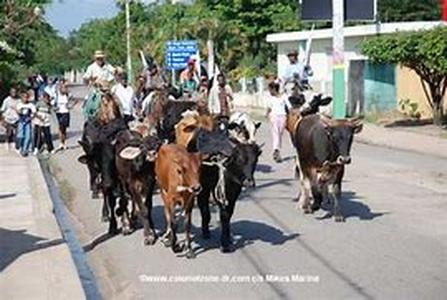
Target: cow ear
{"type": "Point", "coordinates": [83, 159]}
{"type": "Point", "coordinates": [257, 125]}
{"type": "Point", "coordinates": [129, 153]}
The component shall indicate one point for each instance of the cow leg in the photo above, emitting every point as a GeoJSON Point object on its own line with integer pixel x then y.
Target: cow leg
{"type": "Point", "coordinates": [204, 206]}
{"type": "Point", "coordinates": [141, 211]}
{"type": "Point", "coordinates": [305, 195]}
{"type": "Point", "coordinates": [110, 197]}
{"type": "Point", "coordinates": [105, 209]}
{"type": "Point", "coordinates": [124, 212]}
{"type": "Point", "coordinates": [299, 176]}
{"type": "Point", "coordinates": [225, 218]}
{"type": "Point", "coordinates": [317, 198]}
{"type": "Point", "coordinates": [335, 193]}
{"type": "Point", "coordinates": [169, 238]}
{"type": "Point", "coordinates": [187, 224]}
{"type": "Point", "coordinates": [151, 236]}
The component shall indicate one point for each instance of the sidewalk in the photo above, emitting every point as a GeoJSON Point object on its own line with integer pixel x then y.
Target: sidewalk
{"type": "Point", "coordinates": [35, 262]}
{"type": "Point", "coordinates": [404, 140]}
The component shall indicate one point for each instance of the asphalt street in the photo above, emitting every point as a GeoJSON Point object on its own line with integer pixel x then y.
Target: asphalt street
{"type": "Point", "coordinates": [393, 244]}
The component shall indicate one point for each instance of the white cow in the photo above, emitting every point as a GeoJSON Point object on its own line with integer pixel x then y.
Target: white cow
{"type": "Point", "coordinates": [242, 127]}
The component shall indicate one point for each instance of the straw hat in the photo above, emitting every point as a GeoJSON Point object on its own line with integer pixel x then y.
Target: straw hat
{"type": "Point", "coordinates": [99, 54]}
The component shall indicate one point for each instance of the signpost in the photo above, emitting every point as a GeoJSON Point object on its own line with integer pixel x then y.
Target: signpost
{"type": "Point", "coordinates": [338, 60]}
{"type": "Point", "coordinates": [178, 52]}
{"type": "Point", "coordinates": [339, 10]}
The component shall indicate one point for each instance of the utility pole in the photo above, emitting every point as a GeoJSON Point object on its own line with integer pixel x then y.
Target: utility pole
{"type": "Point", "coordinates": [129, 59]}
{"type": "Point", "coordinates": [338, 60]}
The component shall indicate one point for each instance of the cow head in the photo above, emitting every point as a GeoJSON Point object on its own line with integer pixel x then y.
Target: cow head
{"type": "Point", "coordinates": [213, 143]}
{"type": "Point", "coordinates": [341, 133]}
{"type": "Point", "coordinates": [239, 131]}
{"type": "Point", "coordinates": [144, 151]}
{"type": "Point", "coordinates": [243, 128]}
{"type": "Point", "coordinates": [242, 163]}
{"type": "Point", "coordinates": [189, 172]}
{"type": "Point", "coordinates": [313, 106]}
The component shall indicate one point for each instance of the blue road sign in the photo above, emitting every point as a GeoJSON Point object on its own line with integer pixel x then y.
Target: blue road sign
{"type": "Point", "coordinates": [177, 53]}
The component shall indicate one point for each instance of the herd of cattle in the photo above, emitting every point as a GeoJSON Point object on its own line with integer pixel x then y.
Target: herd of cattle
{"type": "Point", "coordinates": [192, 155]}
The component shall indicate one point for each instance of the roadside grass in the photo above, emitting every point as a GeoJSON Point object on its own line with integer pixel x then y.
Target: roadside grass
{"type": "Point", "coordinates": [66, 190]}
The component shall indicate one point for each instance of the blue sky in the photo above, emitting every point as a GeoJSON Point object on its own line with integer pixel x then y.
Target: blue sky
{"type": "Point", "coordinates": [67, 15]}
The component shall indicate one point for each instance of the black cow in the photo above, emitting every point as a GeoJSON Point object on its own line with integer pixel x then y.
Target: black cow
{"type": "Point", "coordinates": [135, 157]}
{"type": "Point", "coordinates": [323, 146]}
{"type": "Point", "coordinates": [237, 171]}
{"type": "Point", "coordinates": [98, 144]}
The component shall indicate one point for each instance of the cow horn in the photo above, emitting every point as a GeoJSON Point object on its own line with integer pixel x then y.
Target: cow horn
{"type": "Point", "coordinates": [130, 153]}
{"type": "Point", "coordinates": [261, 145]}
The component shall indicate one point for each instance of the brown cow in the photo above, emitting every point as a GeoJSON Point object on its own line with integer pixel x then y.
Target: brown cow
{"type": "Point", "coordinates": [177, 173]}
{"type": "Point", "coordinates": [188, 126]}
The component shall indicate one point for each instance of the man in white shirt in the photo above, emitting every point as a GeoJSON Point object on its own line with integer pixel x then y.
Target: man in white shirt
{"type": "Point", "coordinates": [98, 74]}
{"type": "Point", "coordinates": [295, 68]}
{"type": "Point", "coordinates": [221, 97]}
{"type": "Point", "coordinates": [99, 70]}
{"type": "Point", "coordinates": [126, 97]}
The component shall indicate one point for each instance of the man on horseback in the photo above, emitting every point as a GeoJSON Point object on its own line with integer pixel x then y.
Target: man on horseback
{"type": "Point", "coordinates": [99, 76]}
{"type": "Point", "coordinates": [295, 79]}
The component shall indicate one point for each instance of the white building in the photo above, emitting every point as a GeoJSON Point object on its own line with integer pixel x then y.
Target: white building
{"type": "Point", "coordinates": [321, 57]}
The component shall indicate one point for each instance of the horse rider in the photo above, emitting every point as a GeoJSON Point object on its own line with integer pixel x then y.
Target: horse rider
{"type": "Point", "coordinates": [295, 78]}
{"type": "Point", "coordinates": [99, 77]}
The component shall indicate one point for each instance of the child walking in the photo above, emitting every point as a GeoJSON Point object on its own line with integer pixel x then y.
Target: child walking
{"type": "Point", "coordinates": [10, 118]}
{"type": "Point", "coordinates": [277, 106]}
{"type": "Point", "coordinates": [42, 124]}
{"type": "Point", "coordinates": [63, 99]}
{"type": "Point", "coordinates": [26, 111]}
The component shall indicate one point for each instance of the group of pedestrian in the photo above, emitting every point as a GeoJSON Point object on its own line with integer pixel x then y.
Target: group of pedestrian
{"type": "Point", "coordinates": [27, 115]}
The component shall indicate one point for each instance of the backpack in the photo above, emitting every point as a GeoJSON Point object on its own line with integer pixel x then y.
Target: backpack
{"type": "Point", "coordinates": [91, 105]}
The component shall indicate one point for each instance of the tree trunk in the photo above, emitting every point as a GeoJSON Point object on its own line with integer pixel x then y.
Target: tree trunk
{"type": "Point", "coordinates": [437, 95]}
{"type": "Point", "coordinates": [438, 113]}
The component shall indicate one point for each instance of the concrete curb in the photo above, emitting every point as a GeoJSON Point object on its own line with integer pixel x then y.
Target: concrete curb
{"type": "Point", "coordinates": [79, 260]}
{"type": "Point", "coordinates": [62, 270]}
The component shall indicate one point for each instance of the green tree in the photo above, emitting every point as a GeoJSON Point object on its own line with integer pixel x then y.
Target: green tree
{"type": "Point", "coordinates": [425, 52]}
{"type": "Point", "coordinates": [408, 10]}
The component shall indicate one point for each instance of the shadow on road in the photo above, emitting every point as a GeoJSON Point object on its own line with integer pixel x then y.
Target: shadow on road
{"type": "Point", "coordinates": [264, 168]}
{"type": "Point", "coordinates": [159, 224]}
{"type": "Point", "coordinates": [351, 207]}
{"type": "Point", "coordinates": [244, 232]}
{"type": "Point", "coordinates": [14, 243]}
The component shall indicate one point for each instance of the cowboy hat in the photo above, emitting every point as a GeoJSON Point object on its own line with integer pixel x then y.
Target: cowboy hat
{"type": "Point", "coordinates": [99, 54]}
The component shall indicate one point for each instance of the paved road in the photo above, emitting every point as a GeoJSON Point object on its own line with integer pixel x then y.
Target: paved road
{"type": "Point", "coordinates": [393, 244]}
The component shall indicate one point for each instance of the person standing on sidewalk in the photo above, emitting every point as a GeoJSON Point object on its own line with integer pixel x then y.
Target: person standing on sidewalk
{"type": "Point", "coordinates": [10, 117]}
{"type": "Point", "coordinates": [277, 106]}
{"type": "Point", "coordinates": [126, 97]}
{"type": "Point", "coordinates": [26, 111]}
{"type": "Point", "coordinates": [42, 125]}
{"type": "Point", "coordinates": [62, 106]}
